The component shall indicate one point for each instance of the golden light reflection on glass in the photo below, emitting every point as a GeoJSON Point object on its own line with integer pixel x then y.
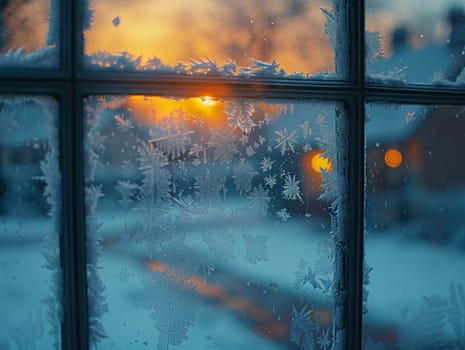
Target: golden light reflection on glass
{"type": "Point", "coordinates": [153, 109]}
{"type": "Point", "coordinates": [393, 158]}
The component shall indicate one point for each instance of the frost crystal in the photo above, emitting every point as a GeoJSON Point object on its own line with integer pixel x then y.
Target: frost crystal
{"type": "Point", "coordinates": [438, 323]}
{"type": "Point", "coordinates": [222, 141]}
{"type": "Point", "coordinates": [270, 181]}
{"type": "Point", "coordinates": [324, 340]}
{"type": "Point", "coordinates": [259, 200]}
{"type": "Point", "coordinates": [373, 46]}
{"type": "Point", "coordinates": [239, 114]}
{"type": "Point", "coordinates": [263, 69]}
{"type": "Point", "coordinates": [243, 175]}
{"type": "Point", "coordinates": [127, 190]}
{"type": "Point", "coordinates": [124, 124]}
{"type": "Point", "coordinates": [283, 215]}
{"type": "Point", "coordinates": [172, 137]}
{"type": "Point", "coordinates": [172, 302]}
{"type": "Point", "coordinates": [266, 164]}
{"type": "Point", "coordinates": [28, 332]}
{"type": "Point", "coordinates": [291, 188]}
{"type": "Point", "coordinates": [306, 129]}
{"type": "Point", "coordinates": [303, 328]}
{"type": "Point", "coordinates": [209, 186]}
{"type": "Point", "coordinates": [286, 140]}
{"type": "Point", "coordinates": [157, 179]}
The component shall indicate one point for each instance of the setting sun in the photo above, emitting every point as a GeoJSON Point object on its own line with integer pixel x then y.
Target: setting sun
{"type": "Point", "coordinates": [208, 101]}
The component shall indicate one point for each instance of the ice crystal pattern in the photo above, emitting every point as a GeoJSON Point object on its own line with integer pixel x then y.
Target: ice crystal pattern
{"type": "Point", "coordinates": [291, 190]}
{"type": "Point", "coordinates": [172, 302]}
{"type": "Point", "coordinates": [239, 114]}
{"type": "Point", "coordinates": [439, 322]}
{"type": "Point", "coordinates": [188, 181]}
{"type": "Point", "coordinates": [286, 141]}
{"type": "Point", "coordinates": [303, 328]}
{"type": "Point", "coordinates": [222, 141]}
{"type": "Point", "coordinates": [243, 175]}
{"type": "Point", "coordinates": [259, 200]}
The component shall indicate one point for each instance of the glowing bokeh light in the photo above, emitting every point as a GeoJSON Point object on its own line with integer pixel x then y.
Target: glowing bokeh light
{"type": "Point", "coordinates": [393, 158]}
{"type": "Point", "coordinates": [320, 163]}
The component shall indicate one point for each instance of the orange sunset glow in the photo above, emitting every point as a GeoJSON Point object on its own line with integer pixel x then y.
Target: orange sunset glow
{"type": "Point", "coordinates": [153, 109]}
{"type": "Point", "coordinates": [290, 32]}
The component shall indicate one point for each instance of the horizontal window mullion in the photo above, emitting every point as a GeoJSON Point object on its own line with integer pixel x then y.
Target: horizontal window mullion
{"type": "Point", "coordinates": [337, 91]}
{"type": "Point", "coordinates": [419, 95]}
{"type": "Point", "coordinates": [219, 89]}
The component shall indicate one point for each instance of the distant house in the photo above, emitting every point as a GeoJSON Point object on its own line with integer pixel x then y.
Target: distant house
{"type": "Point", "coordinates": [24, 141]}
{"type": "Point", "coordinates": [415, 153]}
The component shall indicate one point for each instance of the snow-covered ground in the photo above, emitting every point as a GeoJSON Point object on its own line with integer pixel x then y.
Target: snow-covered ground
{"type": "Point", "coordinates": [405, 271]}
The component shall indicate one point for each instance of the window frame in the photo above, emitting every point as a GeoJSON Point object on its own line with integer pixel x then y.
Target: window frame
{"type": "Point", "coordinates": [70, 84]}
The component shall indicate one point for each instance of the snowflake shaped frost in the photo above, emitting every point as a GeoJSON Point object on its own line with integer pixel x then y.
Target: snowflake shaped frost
{"type": "Point", "coordinates": [243, 175]}
{"type": "Point", "coordinates": [306, 129]}
{"type": "Point", "coordinates": [239, 114]}
{"type": "Point", "coordinates": [124, 124]}
{"type": "Point", "coordinates": [222, 141]}
{"type": "Point", "coordinates": [209, 186]}
{"type": "Point", "coordinates": [286, 140]}
{"type": "Point", "coordinates": [303, 328]}
{"type": "Point", "coordinates": [266, 164]}
{"type": "Point", "coordinates": [324, 340]}
{"type": "Point", "coordinates": [270, 181]}
{"type": "Point", "coordinates": [260, 200]}
{"type": "Point", "coordinates": [283, 215]}
{"type": "Point", "coordinates": [291, 188]}
{"type": "Point", "coordinates": [249, 151]}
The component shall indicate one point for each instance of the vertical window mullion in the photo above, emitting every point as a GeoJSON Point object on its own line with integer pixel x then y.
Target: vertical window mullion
{"type": "Point", "coordinates": [68, 330]}
{"type": "Point", "coordinates": [354, 222]}
{"type": "Point", "coordinates": [78, 171]}
{"type": "Point", "coordinates": [75, 325]}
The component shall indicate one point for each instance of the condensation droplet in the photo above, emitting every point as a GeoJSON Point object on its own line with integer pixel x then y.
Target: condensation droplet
{"type": "Point", "coordinates": [116, 21]}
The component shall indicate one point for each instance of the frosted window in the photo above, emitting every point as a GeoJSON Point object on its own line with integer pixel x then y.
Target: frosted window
{"type": "Point", "coordinates": [30, 299]}
{"type": "Point", "coordinates": [415, 41]}
{"type": "Point", "coordinates": [242, 37]}
{"type": "Point", "coordinates": [29, 34]}
{"type": "Point", "coordinates": [205, 228]}
{"type": "Point", "coordinates": [415, 243]}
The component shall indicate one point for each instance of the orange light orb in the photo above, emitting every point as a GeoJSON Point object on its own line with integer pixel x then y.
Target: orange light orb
{"type": "Point", "coordinates": [320, 163]}
{"type": "Point", "coordinates": [393, 158]}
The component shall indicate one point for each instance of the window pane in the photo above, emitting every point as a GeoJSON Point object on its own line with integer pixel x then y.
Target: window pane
{"type": "Point", "coordinates": [415, 242]}
{"type": "Point", "coordinates": [415, 41]}
{"type": "Point", "coordinates": [205, 228]}
{"type": "Point", "coordinates": [230, 38]}
{"type": "Point", "coordinates": [30, 275]}
{"type": "Point", "coordinates": [29, 34]}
